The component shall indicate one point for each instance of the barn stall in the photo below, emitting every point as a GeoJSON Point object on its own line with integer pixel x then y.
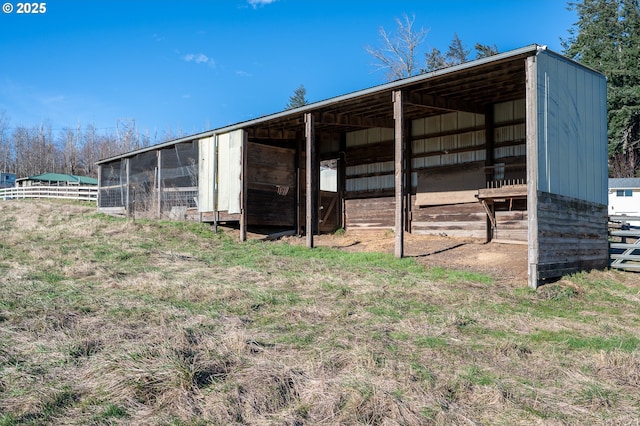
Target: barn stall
{"type": "Point", "coordinates": [510, 148]}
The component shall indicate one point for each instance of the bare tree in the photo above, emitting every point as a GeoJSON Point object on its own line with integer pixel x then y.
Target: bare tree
{"type": "Point", "coordinates": [397, 56]}
{"type": "Point", "coordinates": [6, 163]}
{"type": "Point", "coordinates": [69, 144]}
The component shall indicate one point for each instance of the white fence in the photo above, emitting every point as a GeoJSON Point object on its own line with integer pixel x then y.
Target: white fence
{"type": "Point", "coordinates": [80, 193]}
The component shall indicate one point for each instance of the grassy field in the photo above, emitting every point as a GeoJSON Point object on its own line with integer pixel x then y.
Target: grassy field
{"type": "Point", "coordinates": [110, 321]}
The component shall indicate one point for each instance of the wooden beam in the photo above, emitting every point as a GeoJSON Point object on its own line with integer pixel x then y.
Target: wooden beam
{"type": "Point", "coordinates": [350, 120]}
{"type": "Point", "coordinates": [245, 188]}
{"type": "Point", "coordinates": [532, 169]}
{"type": "Point", "coordinates": [442, 103]}
{"type": "Point", "coordinates": [312, 179]}
{"type": "Point", "coordinates": [398, 115]}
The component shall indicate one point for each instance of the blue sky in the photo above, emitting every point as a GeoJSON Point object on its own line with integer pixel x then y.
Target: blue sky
{"type": "Point", "coordinates": [192, 65]}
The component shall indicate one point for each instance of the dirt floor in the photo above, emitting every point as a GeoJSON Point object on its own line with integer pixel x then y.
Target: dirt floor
{"type": "Point", "coordinates": [503, 261]}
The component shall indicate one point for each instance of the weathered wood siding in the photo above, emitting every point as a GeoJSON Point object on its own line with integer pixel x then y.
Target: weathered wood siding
{"type": "Point", "coordinates": [271, 184]}
{"type": "Point", "coordinates": [455, 220]}
{"type": "Point", "coordinates": [511, 225]}
{"type": "Point", "coordinates": [571, 237]}
{"type": "Point", "coordinates": [372, 213]}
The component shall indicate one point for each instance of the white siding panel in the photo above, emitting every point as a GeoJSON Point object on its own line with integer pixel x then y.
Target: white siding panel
{"type": "Point", "coordinates": [206, 151]}
{"type": "Point", "coordinates": [229, 171]}
{"type": "Point", "coordinates": [449, 121]}
{"type": "Point", "coordinates": [369, 136]}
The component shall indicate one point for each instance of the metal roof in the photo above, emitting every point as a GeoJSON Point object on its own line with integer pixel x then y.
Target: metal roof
{"type": "Point", "coordinates": [62, 177]}
{"type": "Point", "coordinates": [470, 86]}
{"type": "Point", "coordinates": [624, 183]}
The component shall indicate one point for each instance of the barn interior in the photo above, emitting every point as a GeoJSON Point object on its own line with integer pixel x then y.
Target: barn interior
{"type": "Point", "coordinates": [464, 157]}
{"type": "Point", "coordinates": [463, 161]}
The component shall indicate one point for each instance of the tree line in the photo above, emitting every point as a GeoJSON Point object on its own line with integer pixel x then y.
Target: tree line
{"type": "Point", "coordinates": [33, 150]}
{"type": "Point", "coordinates": [606, 37]}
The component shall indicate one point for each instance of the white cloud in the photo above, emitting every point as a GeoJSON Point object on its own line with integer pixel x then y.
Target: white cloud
{"type": "Point", "coordinates": [243, 73]}
{"type": "Point", "coordinates": [199, 58]}
{"type": "Point", "coordinates": [52, 99]}
{"type": "Point", "coordinates": [256, 3]}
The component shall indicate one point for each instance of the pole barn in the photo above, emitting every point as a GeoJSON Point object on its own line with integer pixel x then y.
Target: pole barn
{"type": "Point", "coordinates": [509, 148]}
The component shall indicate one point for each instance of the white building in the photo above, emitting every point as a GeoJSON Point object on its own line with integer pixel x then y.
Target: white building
{"type": "Point", "coordinates": [624, 198]}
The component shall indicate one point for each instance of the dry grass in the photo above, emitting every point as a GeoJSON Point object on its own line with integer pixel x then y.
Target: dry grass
{"type": "Point", "coordinates": [109, 321]}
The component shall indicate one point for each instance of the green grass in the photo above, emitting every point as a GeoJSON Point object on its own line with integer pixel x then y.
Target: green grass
{"type": "Point", "coordinates": [112, 321]}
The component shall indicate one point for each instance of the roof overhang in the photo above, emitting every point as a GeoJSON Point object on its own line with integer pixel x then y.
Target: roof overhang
{"type": "Point", "coordinates": [471, 87]}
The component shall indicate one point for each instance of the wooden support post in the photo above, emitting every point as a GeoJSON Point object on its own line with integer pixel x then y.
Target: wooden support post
{"type": "Point", "coordinates": [532, 169]}
{"type": "Point", "coordinates": [127, 199]}
{"type": "Point", "coordinates": [245, 188]}
{"type": "Point", "coordinates": [99, 186]}
{"type": "Point", "coordinates": [159, 185]}
{"type": "Point", "coordinates": [312, 179]}
{"type": "Point", "coordinates": [398, 115]}
{"type": "Point", "coordinates": [489, 130]}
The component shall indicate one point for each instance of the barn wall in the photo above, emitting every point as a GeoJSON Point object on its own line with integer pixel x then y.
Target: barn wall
{"type": "Point", "coordinates": [369, 162]}
{"type": "Point", "coordinates": [370, 213]}
{"type": "Point", "coordinates": [571, 236]}
{"type": "Point", "coordinates": [454, 220]}
{"type": "Point", "coordinates": [571, 129]}
{"type": "Point", "coordinates": [271, 181]}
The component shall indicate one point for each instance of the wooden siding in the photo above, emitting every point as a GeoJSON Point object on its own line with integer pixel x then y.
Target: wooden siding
{"type": "Point", "coordinates": [511, 225]}
{"type": "Point", "coordinates": [455, 220]}
{"type": "Point", "coordinates": [371, 213]}
{"type": "Point", "coordinates": [572, 235]}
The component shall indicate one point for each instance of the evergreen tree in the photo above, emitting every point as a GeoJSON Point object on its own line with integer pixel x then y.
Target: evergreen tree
{"type": "Point", "coordinates": [607, 38]}
{"type": "Point", "coordinates": [457, 54]}
{"type": "Point", "coordinates": [484, 50]}
{"type": "Point", "coordinates": [435, 60]}
{"type": "Point", "coordinates": [298, 98]}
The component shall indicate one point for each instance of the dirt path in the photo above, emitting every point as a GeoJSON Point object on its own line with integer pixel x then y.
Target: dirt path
{"type": "Point", "coordinates": [504, 262]}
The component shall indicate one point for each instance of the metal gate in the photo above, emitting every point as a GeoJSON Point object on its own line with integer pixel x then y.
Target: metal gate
{"type": "Point", "coordinates": [624, 243]}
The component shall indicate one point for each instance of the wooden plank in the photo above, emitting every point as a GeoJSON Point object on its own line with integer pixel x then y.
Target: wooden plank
{"type": "Point", "coordinates": [508, 191]}
{"type": "Point", "coordinates": [435, 198]}
{"type": "Point", "coordinates": [398, 116]}
{"type": "Point", "coordinates": [370, 212]}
